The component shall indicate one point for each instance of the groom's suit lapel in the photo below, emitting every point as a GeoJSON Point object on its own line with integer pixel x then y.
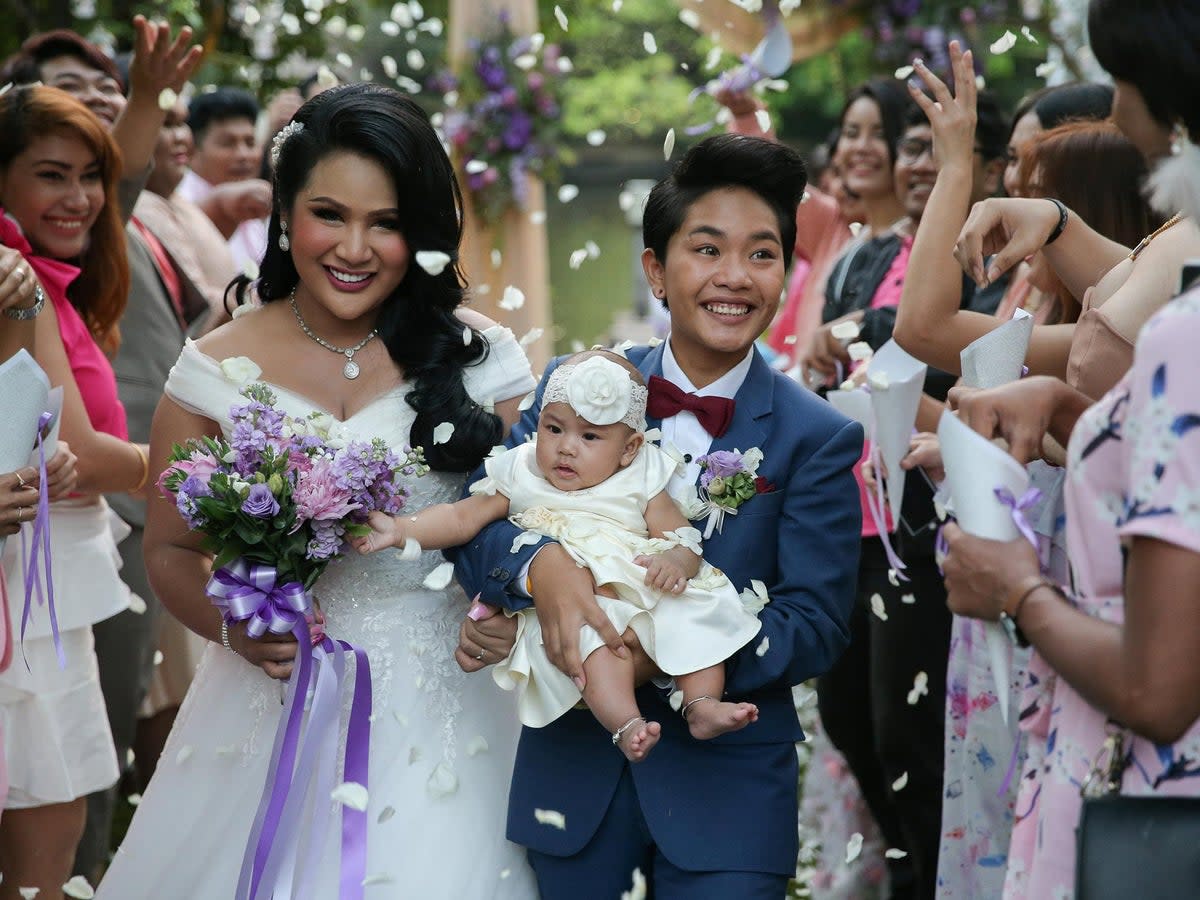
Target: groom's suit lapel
{"type": "Point", "coordinates": [753, 404]}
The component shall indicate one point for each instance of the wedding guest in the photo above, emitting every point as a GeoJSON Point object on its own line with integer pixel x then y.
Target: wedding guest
{"type": "Point", "coordinates": [1045, 110]}
{"type": "Point", "coordinates": [58, 175]}
{"type": "Point", "coordinates": [1122, 647]}
{"type": "Point", "coordinates": [362, 186]}
{"type": "Point", "coordinates": [222, 178]}
{"type": "Point", "coordinates": [978, 794]}
{"type": "Point", "coordinates": [719, 233]}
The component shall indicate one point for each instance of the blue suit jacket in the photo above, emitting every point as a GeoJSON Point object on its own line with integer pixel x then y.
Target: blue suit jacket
{"type": "Point", "coordinates": [728, 803]}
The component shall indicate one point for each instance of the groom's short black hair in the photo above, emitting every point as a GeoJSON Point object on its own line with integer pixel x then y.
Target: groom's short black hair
{"type": "Point", "coordinates": [771, 170]}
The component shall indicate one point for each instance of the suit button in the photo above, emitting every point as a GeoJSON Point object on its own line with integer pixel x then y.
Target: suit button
{"type": "Point", "coordinates": [499, 574]}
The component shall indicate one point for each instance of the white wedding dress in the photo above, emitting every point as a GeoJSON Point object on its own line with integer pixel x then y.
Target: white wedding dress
{"type": "Point", "coordinates": [442, 742]}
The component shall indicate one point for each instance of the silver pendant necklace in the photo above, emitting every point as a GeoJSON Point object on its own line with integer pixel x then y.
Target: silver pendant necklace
{"type": "Point", "coordinates": [350, 369]}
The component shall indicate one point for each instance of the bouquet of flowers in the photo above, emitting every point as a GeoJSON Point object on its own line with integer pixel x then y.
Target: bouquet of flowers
{"type": "Point", "coordinates": [282, 491]}
{"type": "Point", "coordinates": [275, 503]}
{"type": "Point", "coordinates": [503, 120]}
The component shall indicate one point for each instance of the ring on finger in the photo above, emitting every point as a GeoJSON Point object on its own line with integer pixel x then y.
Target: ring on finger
{"type": "Point", "coordinates": [20, 480]}
{"type": "Point", "coordinates": [479, 655]}
{"type": "Point", "coordinates": [19, 271]}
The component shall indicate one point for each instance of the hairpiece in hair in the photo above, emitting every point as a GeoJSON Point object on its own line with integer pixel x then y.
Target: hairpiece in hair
{"type": "Point", "coordinates": [285, 132]}
{"type": "Point", "coordinates": [600, 391]}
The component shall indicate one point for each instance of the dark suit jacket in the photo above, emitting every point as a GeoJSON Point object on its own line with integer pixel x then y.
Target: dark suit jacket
{"type": "Point", "coordinates": [729, 803]}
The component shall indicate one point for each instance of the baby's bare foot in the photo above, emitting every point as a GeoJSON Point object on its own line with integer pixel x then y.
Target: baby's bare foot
{"type": "Point", "coordinates": [639, 740]}
{"type": "Point", "coordinates": [710, 717]}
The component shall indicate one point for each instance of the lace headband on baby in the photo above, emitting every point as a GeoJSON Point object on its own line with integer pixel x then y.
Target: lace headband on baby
{"type": "Point", "coordinates": [600, 391]}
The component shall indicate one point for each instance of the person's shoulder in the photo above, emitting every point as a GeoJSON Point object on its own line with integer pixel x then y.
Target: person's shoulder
{"type": "Point", "coordinates": [243, 335]}
{"type": "Point", "coordinates": [811, 411]}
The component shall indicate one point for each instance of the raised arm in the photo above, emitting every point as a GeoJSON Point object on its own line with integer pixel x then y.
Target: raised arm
{"type": "Point", "coordinates": [805, 626]}
{"type": "Point", "coordinates": [435, 527]}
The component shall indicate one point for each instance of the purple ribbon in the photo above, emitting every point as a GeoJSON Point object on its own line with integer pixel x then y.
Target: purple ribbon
{"type": "Point", "coordinates": [41, 541]}
{"type": "Point", "coordinates": [1017, 507]}
{"type": "Point", "coordinates": [245, 590]}
{"type": "Point", "coordinates": [302, 772]}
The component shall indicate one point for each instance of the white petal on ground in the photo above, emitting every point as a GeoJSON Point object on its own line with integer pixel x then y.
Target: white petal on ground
{"type": "Point", "coordinates": [411, 550]}
{"type": "Point", "coordinates": [895, 853]}
{"type": "Point", "coordinates": [184, 754]}
{"type": "Point", "coordinates": [351, 794]}
{"type": "Point", "coordinates": [763, 647]}
{"type": "Point", "coordinates": [477, 745]}
{"type": "Point", "coordinates": [439, 579]}
{"type": "Point", "coordinates": [387, 813]}
{"type": "Point", "coordinates": [638, 890]}
{"type": "Point", "coordinates": [79, 888]}
{"type": "Point", "coordinates": [578, 258]}
{"type": "Point", "coordinates": [669, 143]}
{"type": "Point", "coordinates": [527, 401]}
{"type": "Point", "coordinates": [908, 599]}
{"type": "Point", "coordinates": [443, 432]}
{"type": "Point", "coordinates": [378, 878]}
{"type": "Point", "coordinates": [561, 17]}
{"type": "Point", "coordinates": [903, 72]}
{"type": "Point", "coordinates": [475, 167]}
{"type": "Point", "coordinates": [763, 118]}
{"type": "Point", "coordinates": [504, 873]}
{"type": "Point", "coordinates": [596, 137]}
{"type": "Point", "coordinates": [853, 847]}
{"type": "Point", "coordinates": [565, 65]}
{"type": "Point", "coordinates": [648, 42]}
{"type": "Point", "coordinates": [433, 261]}
{"type": "Point", "coordinates": [442, 781]}
{"type": "Point", "coordinates": [514, 298]}
{"type": "Point", "coordinates": [567, 193]}
{"type": "Point", "coordinates": [900, 783]}
{"type": "Point", "coordinates": [551, 817]}
{"type": "Point", "coordinates": [167, 99]}
{"type": "Point", "coordinates": [1004, 43]}
{"type": "Point", "coordinates": [878, 607]}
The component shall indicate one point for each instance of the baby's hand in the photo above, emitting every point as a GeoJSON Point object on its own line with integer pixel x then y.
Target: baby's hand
{"type": "Point", "coordinates": [663, 573]}
{"type": "Point", "coordinates": [386, 531]}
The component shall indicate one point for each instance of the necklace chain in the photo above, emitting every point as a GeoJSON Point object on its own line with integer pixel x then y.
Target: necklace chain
{"type": "Point", "coordinates": [350, 370]}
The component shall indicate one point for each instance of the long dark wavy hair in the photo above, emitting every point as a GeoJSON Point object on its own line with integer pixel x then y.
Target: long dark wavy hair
{"type": "Point", "coordinates": [416, 323]}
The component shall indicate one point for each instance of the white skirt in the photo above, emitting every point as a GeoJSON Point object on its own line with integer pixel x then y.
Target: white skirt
{"type": "Point", "coordinates": [57, 742]}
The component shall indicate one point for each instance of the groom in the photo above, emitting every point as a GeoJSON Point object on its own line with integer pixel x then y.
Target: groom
{"type": "Point", "coordinates": [701, 819]}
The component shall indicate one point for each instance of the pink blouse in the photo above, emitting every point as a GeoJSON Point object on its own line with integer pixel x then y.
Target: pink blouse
{"type": "Point", "coordinates": [92, 371]}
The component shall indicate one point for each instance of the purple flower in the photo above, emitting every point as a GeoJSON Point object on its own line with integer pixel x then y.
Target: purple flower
{"type": "Point", "coordinates": [326, 540]}
{"type": "Point", "coordinates": [190, 489]}
{"type": "Point", "coordinates": [722, 463]}
{"type": "Point", "coordinates": [260, 503]}
{"type": "Point", "coordinates": [519, 131]}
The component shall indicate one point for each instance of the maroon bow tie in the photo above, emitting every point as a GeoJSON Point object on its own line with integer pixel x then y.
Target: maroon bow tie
{"type": "Point", "coordinates": [667, 399]}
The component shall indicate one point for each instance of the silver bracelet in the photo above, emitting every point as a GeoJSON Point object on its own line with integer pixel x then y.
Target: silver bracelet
{"type": "Point", "coordinates": [21, 313]}
{"type": "Point", "coordinates": [225, 637]}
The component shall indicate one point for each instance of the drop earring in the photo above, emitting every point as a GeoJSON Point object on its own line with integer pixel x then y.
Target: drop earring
{"type": "Point", "coordinates": [284, 244]}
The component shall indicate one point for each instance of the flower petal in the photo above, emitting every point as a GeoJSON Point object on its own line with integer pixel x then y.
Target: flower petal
{"type": "Point", "coordinates": [908, 599]}
{"type": "Point", "coordinates": [669, 143]}
{"type": "Point", "coordinates": [895, 853]}
{"type": "Point", "coordinates": [442, 781]}
{"type": "Point", "coordinates": [533, 334]}
{"type": "Point", "coordinates": [411, 550]}
{"type": "Point", "coordinates": [648, 43]}
{"type": "Point", "coordinates": [1004, 43]}
{"type": "Point", "coordinates": [433, 261]}
{"type": "Point", "coordinates": [439, 579]}
{"type": "Point", "coordinates": [167, 99]}
{"type": "Point", "coordinates": [596, 137]}
{"type": "Point", "coordinates": [551, 817]}
{"type": "Point", "coordinates": [79, 888]}
{"type": "Point", "coordinates": [351, 794]}
{"type": "Point", "coordinates": [638, 890]}
{"type": "Point", "coordinates": [467, 336]}
{"type": "Point", "coordinates": [561, 17]}
{"type": "Point", "coordinates": [877, 607]}
{"type": "Point", "coordinates": [387, 813]}
{"type": "Point", "coordinates": [378, 878]}
{"type": "Point", "coordinates": [184, 754]}
{"type": "Point", "coordinates": [763, 647]}
{"type": "Point", "coordinates": [900, 783]}
{"type": "Point", "coordinates": [853, 847]}
{"type": "Point", "coordinates": [514, 298]}
{"type": "Point", "coordinates": [443, 432]}
{"type": "Point", "coordinates": [477, 745]}
{"type": "Point", "coordinates": [525, 538]}
{"type": "Point", "coordinates": [567, 193]}
{"type": "Point", "coordinates": [137, 605]}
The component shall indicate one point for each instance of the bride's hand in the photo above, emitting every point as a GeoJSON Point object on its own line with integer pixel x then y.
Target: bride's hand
{"type": "Point", "coordinates": [273, 653]}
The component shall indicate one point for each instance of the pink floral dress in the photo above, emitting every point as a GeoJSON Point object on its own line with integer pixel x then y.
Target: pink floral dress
{"type": "Point", "coordinates": [1133, 470]}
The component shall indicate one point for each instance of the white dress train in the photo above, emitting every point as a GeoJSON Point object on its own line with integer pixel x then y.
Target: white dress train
{"type": "Point", "coordinates": [442, 743]}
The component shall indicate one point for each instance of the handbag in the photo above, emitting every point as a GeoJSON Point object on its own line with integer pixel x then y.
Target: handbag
{"type": "Point", "coordinates": [1134, 848]}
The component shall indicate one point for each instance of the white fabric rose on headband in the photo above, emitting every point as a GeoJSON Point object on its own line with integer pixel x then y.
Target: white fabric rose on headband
{"type": "Point", "coordinates": [599, 390]}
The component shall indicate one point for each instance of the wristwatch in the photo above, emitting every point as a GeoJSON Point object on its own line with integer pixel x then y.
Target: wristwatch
{"type": "Point", "coordinates": [22, 313]}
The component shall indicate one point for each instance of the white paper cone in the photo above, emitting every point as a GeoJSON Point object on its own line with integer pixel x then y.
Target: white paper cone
{"type": "Point", "coordinates": [854, 404]}
{"type": "Point", "coordinates": [997, 357]}
{"type": "Point", "coordinates": [25, 390]}
{"type": "Point", "coordinates": [895, 409]}
{"type": "Point", "coordinates": [975, 467]}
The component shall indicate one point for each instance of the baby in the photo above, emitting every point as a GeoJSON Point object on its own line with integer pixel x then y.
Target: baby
{"type": "Point", "coordinates": [591, 482]}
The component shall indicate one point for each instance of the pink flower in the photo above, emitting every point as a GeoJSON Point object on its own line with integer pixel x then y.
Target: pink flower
{"type": "Point", "coordinates": [318, 496]}
{"type": "Point", "coordinates": [199, 465]}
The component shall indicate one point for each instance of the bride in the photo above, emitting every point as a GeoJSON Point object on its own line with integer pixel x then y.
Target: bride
{"type": "Point", "coordinates": [351, 326]}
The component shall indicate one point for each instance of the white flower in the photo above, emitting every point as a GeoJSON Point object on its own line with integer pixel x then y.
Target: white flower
{"type": "Point", "coordinates": [378, 878]}
{"type": "Point", "coordinates": [551, 817]}
{"type": "Point", "coordinates": [184, 754]}
{"type": "Point", "coordinates": [751, 459]}
{"type": "Point", "coordinates": [903, 72]}
{"type": "Point", "coordinates": [411, 550]}
{"type": "Point", "coordinates": [351, 794]}
{"type": "Point", "coordinates": [530, 336]}
{"type": "Point", "coordinates": [137, 605]}
{"type": "Point", "coordinates": [599, 390]}
{"type": "Point", "coordinates": [878, 381]}
{"type": "Point", "coordinates": [524, 539]}
{"type": "Point", "coordinates": [578, 258]}
{"type": "Point", "coordinates": [240, 369]}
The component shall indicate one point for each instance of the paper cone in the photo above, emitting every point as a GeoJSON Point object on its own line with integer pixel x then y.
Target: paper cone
{"type": "Point", "coordinates": [997, 357]}
{"type": "Point", "coordinates": [975, 467]}
{"type": "Point", "coordinates": [897, 381]}
{"type": "Point", "coordinates": [26, 390]}
{"type": "Point", "coordinates": [854, 404]}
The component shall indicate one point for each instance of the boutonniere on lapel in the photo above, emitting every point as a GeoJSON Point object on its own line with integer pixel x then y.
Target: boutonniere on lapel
{"type": "Point", "coordinates": [728, 478]}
